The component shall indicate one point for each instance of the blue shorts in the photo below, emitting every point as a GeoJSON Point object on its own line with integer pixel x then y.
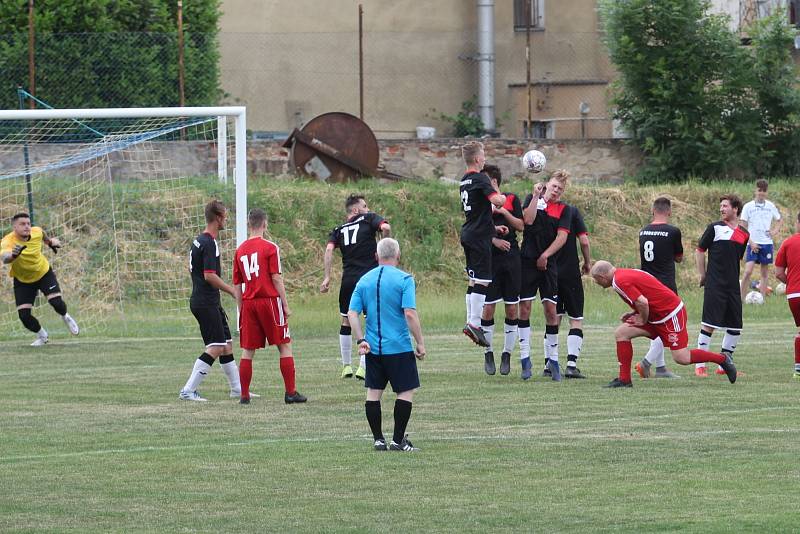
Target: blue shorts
{"type": "Point", "coordinates": [762, 257]}
{"type": "Point", "coordinates": [398, 369]}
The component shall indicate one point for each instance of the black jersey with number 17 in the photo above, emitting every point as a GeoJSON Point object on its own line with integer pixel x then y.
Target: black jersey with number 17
{"type": "Point", "coordinates": [659, 245]}
{"type": "Point", "coordinates": [204, 258]}
{"type": "Point", "coordinates": [356, 240]}
{"type": "Point", "coordinates": [476, 189]}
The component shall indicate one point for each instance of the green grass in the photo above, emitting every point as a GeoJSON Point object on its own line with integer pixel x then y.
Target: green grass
{"type": "Point", "coordinates": [93, 439]}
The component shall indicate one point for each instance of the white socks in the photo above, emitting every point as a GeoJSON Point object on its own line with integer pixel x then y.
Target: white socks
{"type": "Point", "coordinates": [199, 373]}
{"type": "Point", "coordinates": [346, 348]}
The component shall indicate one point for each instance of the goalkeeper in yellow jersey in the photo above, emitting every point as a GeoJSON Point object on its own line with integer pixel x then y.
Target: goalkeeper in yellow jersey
{"type": "Point", "coordinates": [22, 249]}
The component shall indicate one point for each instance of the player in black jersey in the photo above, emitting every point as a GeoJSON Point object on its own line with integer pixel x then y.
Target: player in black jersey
{"type": "Point", "coordinates": [570, 290]}
{"type": "Point", "coordinates": [725, 241]}
{"type": "Point", "coordinates": [660, 247]}
{"type": "Point", "coordinates": [505, 276]}
{"type": "Point", "coordinates": [547, 224]}
{"type": "Point", "coordinates": [206, 270]}
{"type": "Point", "coordinates": [477, 198]}
{"type": "Point", "coordinates": [356, 241]}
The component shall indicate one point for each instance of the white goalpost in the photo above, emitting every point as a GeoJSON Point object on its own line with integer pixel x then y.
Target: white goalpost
{"type": "Point", "coordinates": [124, 189]}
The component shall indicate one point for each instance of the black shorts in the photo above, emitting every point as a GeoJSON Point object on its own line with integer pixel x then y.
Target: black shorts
{"type": "Point", "coordinates": [349, 282]}
{"type": "Point", "coordinates": [722, 308]}
{"type": "Point", "coordinates": [570, 297]}
{"type": "Point", "coordinates": [213, 323]}
{"type": "Point", "coordinates": [534, 280]}
{"type": "Point", "coordinates": [506, 279]}
{"type": "Point", "coordinates": [398, 369]}
{"type": "Point", "coordinates": [25, 292]}
{"type": "Point", "coordinates": [479, 260]}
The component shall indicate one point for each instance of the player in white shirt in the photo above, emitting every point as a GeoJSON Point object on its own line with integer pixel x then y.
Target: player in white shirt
{"type": "Point", "coordinates": [758, 216]}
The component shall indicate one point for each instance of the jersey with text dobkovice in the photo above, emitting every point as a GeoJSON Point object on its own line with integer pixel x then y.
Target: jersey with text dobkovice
{"type": "Point", "coordinates": [254, 263]}
{"type": "Point", "coordinates": [759, 217]}
{"type": "Point", "coordinates": [515, 208]}
{"type": "Point", "coordinates": [356, 240]}
{"type": "Point", "coordinates": [476, 189]}
{"type": "Point", "coordinates": [630, 284]}
{"type": "Point", "coordinates": [31, 264]}
{"type": "Point", "coordinates": [789, 257]}
{"type": "Point", "coordinates": [204, 258]}
{"type": "Point", "coordinates": [568, 261]}
{"type": "Point", "coordinates": [550, 219]}
{"type": "Point", "coordinates": [659, 246]}
{"type": "Point", "coordinates": [725, 246]}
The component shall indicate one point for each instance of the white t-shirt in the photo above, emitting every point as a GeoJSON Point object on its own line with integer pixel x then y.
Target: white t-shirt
{"type": "Point", "coordinates": [759, 217]}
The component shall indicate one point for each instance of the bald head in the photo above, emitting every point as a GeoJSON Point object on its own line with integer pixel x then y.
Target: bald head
{"type": "Point", "coordinates": [603, 273]}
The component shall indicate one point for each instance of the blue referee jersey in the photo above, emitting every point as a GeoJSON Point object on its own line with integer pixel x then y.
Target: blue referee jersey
{"type": "Point", "coordinates": [382, 294]}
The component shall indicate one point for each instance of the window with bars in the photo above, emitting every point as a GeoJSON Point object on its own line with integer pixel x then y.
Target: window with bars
{"type": "Point", "coordinates": [536, 10]}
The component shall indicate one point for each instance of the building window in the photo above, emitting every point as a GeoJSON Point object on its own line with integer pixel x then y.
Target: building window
{"type": "Point", "coordinates": [536, 20]}
{"type": "Point", "coordinates": [542, 130]}
{"type": "Point", "coordinates": [794, 13]}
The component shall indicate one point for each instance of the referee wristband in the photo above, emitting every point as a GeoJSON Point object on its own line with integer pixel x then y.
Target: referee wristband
{"type": "Point", "coordinates": [360, 341]}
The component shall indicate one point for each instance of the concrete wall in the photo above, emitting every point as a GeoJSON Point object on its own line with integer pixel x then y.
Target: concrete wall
{"type": "Point", "coordinates": [290, 60]}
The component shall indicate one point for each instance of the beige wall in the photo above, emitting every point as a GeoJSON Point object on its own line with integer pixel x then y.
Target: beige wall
{"type": "Point", "coordinates": [290, 60]}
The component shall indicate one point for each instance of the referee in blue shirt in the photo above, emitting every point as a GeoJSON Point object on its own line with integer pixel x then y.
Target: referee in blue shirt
{"type": "Point", "coordinates": [387, 297]}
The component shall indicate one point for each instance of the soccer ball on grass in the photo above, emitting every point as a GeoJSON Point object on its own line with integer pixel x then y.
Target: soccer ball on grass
{"type": "Point", "coordinates": [534, 161]}
{"type": "Point", "coordinates": [754, 297]}
{"type": "Point", "coordinates": [780, 289]}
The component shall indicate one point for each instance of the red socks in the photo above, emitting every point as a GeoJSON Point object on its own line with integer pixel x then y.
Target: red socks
{"type": "Point", "coordinates": [797, 350]}
{"type": "Point", "coordinates": [287, 370]}
{"type": "Point", "coordinates": [245, 375]}
{"type": "Point", "coordinates": [625, 357]}
{"type": "Point", "coordinates": [700, 356]}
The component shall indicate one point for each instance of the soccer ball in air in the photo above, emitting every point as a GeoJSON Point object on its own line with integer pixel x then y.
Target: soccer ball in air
{"type": "Point", "coordinates": [754, 297]}
{"type": "Point", "coordinates": [534, 161]}
{"type": "Point", "coordinates": [780, 289]}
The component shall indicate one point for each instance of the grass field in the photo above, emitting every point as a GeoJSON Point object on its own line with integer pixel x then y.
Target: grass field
{"type": "Point", "coordinates": [94, 439]}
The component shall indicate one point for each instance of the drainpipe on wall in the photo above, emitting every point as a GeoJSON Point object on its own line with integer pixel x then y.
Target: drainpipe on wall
{"type": "Point", "coordinates": [485, 59]}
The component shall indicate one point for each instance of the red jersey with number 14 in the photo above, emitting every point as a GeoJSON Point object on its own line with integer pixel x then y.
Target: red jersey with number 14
{"type": "Point", "coordinates": [256, 260]}
{"type": "Point", "coordinates": [630, 284]}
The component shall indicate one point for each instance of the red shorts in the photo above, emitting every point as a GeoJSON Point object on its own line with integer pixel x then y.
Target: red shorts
{"type": "Point", "coordinates": [262, 322]}
{"type": "Point", "coordinates": [672, 331]}
{"type": "Point", "coordinates": [794, 305]}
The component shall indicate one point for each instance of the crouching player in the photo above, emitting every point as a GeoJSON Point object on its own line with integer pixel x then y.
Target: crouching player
{"type": "Point", "coordinates": [264, 310]}
{"type": "Point", "coordinates": [658, 312]}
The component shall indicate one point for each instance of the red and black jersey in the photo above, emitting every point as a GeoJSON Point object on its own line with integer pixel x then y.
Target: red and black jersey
{"type": "Point", "coordinates": [550, 218]}
{"type": "Point", "coordinates": [789, 258]}
{"type": "Point", "coordinates": [568, 260]}
{"type": "Point", "coordinates": [254, 263]}
{"type": "Point", "coordinates": [514, 207]}
{"type": "Point", "coordinates": [630, 284]}
{"type": "Point", "coordinates": [725, 246]}
{"type": "Point", "coordinates": [476, 190]}
{"type": "Point", "coordinates": [204, 258]}
{"type": "Point", "coordinates": [659, 246]}
{"type": "Point", "coordinates": [356, 239]}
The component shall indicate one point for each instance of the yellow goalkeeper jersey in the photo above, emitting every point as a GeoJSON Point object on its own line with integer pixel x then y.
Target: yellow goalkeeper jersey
{"type": "Point", "coordinates": [31, 265]}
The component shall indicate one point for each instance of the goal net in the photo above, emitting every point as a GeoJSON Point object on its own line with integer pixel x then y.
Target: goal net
{"type": "Point", "coordinates": [124, 191]}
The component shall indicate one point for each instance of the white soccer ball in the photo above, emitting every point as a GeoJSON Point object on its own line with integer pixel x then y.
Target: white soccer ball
{"type": "Point", "coordinates": [534, 161]}
{"type": "Point", "coordinates": [754, 297]}
{"type": "Point", "coordinates": [780, 289]}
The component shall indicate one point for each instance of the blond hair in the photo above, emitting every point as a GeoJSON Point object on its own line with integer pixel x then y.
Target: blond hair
{"type": "Point", "coordinates": [470, 151]}
{"type": "Point", "coordinates": [561, 175]}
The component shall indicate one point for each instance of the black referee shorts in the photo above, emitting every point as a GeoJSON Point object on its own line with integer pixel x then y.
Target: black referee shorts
{"type": "Point", "coordinates": [570, 297]}
{"type": "Point", "coordinates": [25, 292]}
{"type": "Point", "coordinates": [398, 369]}
{"type": "Point", "coordinates": [213, 323]}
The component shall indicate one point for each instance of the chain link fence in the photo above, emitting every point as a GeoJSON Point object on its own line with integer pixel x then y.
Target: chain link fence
{"type": "Point", "coordinates": [411, 79]}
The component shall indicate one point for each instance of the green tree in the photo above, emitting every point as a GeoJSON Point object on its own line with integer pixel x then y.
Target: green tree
{"type": "Point", "coordinates": [684, 88]}
{"type": "Point", "coordinates": [104, 53]}
{"type": "Point", "coordinates": [778, 95]}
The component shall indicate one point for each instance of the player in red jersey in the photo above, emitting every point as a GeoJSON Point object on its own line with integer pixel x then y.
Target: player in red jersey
{"type": "Point", "coordinates": [263, 308]}
{"type": "Point", "coordinates": [657, 312]}
{"type": "Point", "coordinates": [787, 270]}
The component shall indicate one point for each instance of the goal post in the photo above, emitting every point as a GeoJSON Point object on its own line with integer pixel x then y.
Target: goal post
{"type": "Point", "coordinates": [125, 189]}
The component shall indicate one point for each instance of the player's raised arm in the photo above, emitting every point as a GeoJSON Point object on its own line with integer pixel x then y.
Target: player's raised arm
{"type": "Point", "coordinates": [386, 229]}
